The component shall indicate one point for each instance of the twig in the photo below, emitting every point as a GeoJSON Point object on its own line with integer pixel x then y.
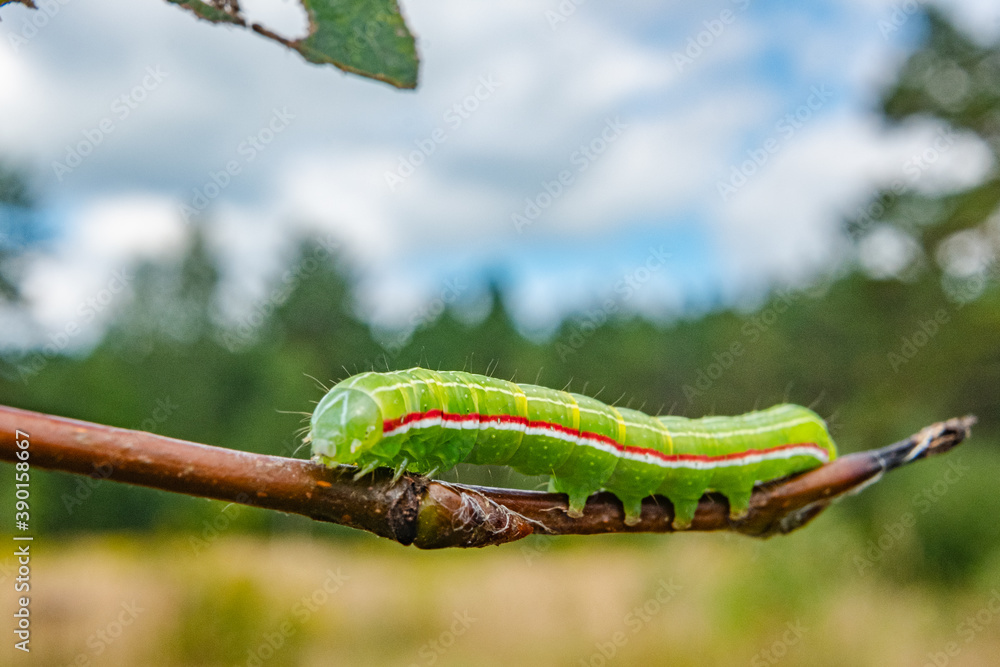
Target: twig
{"type": "Point", "coordinates": [423, 512]}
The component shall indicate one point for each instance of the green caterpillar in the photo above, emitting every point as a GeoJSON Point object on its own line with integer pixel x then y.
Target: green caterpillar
{"type": "Point", "coordinates": [425, 421]}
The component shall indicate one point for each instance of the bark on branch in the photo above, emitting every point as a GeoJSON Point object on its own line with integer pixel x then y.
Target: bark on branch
{"type": "Point", "coordinates": [431, 514]}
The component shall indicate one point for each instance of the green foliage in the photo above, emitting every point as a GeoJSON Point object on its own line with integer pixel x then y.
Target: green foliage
{"type": "Point", "coordinates": [16, 201]}
{"type": "Point", "coordinates": [14, 190]}
{"type": "Point", "coordinates": [957, 81]}
{"type": "Point", "coordinates": [952, 78]}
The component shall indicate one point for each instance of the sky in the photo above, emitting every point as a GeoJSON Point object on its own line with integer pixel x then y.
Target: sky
{"type": "Point", "coordinates": [674, 158]}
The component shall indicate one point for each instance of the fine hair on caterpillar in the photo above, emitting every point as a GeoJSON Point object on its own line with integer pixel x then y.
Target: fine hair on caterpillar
{"type": "Point", "coordinates": [425, 421]}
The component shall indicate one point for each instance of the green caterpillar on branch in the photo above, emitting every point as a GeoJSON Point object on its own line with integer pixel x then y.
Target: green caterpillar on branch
{"type": "Point", "coordinates": [425, 421]}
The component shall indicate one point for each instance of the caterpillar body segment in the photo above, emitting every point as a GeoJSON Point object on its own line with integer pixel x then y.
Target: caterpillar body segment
{"type": "Point", "coordinates": [424, 421]}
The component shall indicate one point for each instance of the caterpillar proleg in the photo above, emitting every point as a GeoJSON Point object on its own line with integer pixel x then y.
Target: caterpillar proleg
{"type": "Point", "coordinates": [424, 421]}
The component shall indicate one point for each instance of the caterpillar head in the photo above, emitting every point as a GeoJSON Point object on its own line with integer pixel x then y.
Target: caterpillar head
{"type": "Point", "coordinates": [346, 424]}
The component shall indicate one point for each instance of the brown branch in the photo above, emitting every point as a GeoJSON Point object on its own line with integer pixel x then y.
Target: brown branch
{"type": "Point", "coordinates": [430, 514]}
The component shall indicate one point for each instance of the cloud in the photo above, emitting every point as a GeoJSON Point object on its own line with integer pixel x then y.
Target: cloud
{"type": "Point", "coordinates": [80, 281]}
{"type": "Point", "coordinates": [506, 100]}
{"type": "Point", "coordinates": [787, 219]}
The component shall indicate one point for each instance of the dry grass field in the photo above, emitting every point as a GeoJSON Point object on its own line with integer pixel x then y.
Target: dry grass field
{"type": "Point", "coordinates": [649, 600]}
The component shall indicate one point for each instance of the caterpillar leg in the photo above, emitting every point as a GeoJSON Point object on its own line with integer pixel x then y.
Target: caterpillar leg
{"type": "Point", "coordinates": [400, 469]}
{"type": "Point", "coordinates": [364, 471]}
{"type": "Point", "coordinates": [577, 501]}
{"type": "Point", "coordinates": [684, 509]}
{"type": "Point", "coordinates": [633, 510]}
{"type": "Point", "coordinates": [577, 497]}
{"type": "Point", "coordinates": [739, 503]}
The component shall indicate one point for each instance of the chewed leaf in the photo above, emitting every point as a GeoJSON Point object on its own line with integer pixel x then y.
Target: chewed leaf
{"type": "Point", "coordinates": [364, 37]}
{"type": "Point", "coordinates": [209, 12]}
{"type": "Point", "coordinates": [367, 37]}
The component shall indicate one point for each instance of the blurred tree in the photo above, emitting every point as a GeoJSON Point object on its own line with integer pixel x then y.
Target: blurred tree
{"type": "Point", "coordinates": [957, 81]}
{"type": "Point", "coordinates": [16, 203]}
